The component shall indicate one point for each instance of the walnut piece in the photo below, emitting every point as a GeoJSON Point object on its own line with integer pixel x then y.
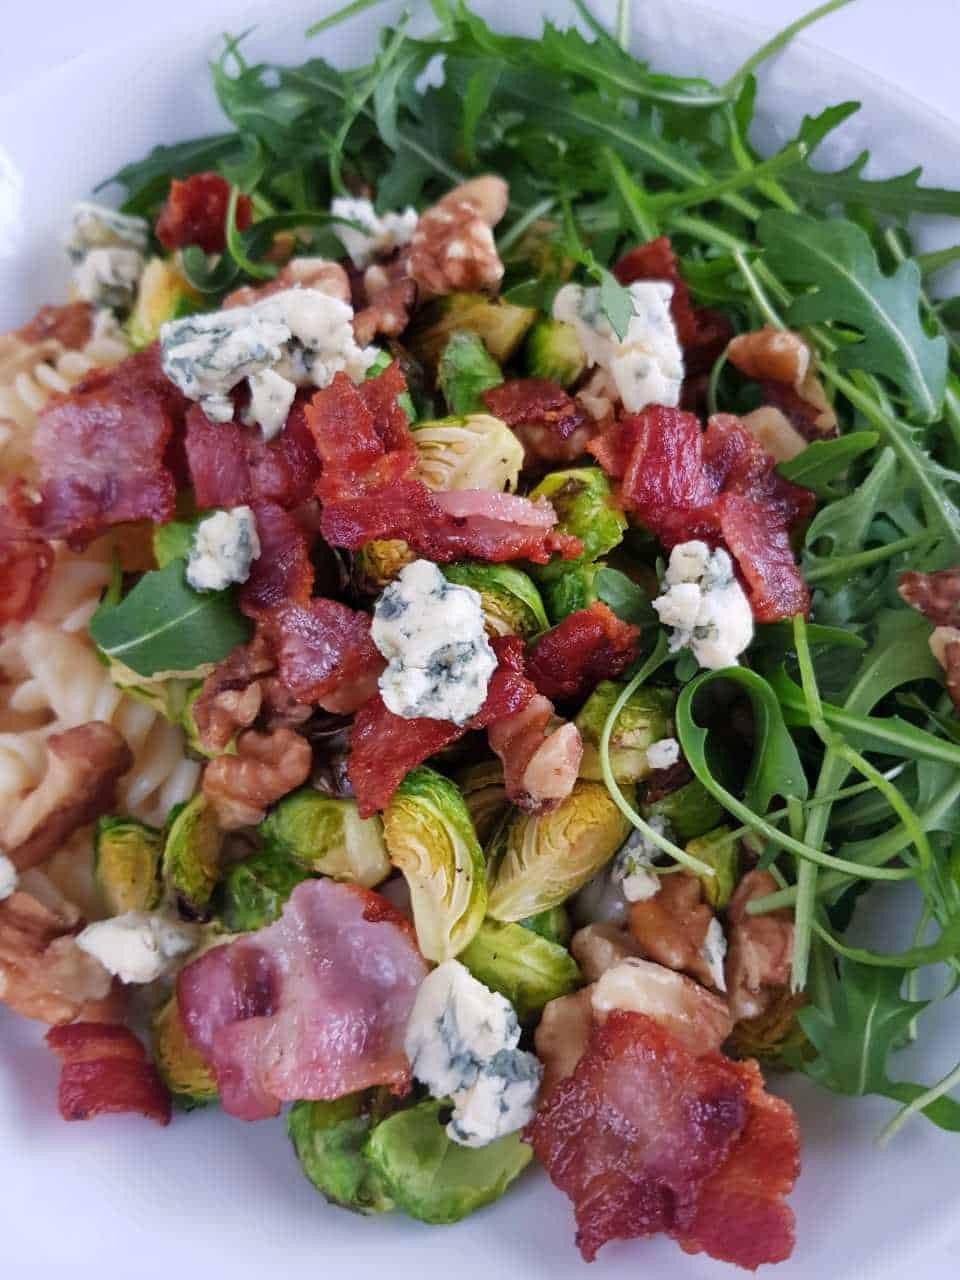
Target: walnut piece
{"type": "Point", "coordinates": [561, 1037]}
{"type": "Point", "coordinates": [231, 695]}
{"type": "Point", "coordinates": [783, 364]}
{"type": "Point", "coordinates": [699, 1019]}
{"type": "Point", "coordinates": [387, 313]}
{"type": "Point", "coordinates": [266, 767]}
{"type": "Point", "coordinates": [453, 246]}
{"type": "Point", "coordinates": [775, 432]}
{"type": "Point", "coordinates": [309, 273]}
{"type": "Point", "coordinates": [671, 927]}
{"type": "Point", "coordinates": [772, 355]}
{"type": "Point", "coordinates": [84, 765]}
{"type": "Point", "coordinates": [598, 947]}
{"type": "Point", "coordinates": [760, 948]}
{"type": "Point", "coordinates": [935, 595]}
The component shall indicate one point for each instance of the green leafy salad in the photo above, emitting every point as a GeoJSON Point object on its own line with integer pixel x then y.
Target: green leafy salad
{"type": "Point", "coordinates": [535, 511]}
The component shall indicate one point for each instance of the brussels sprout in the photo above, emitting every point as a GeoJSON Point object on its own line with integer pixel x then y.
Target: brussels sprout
{"type": "Point", "coordinates": [329, 1139]}
{"type": "Point", "coordinates": [582, 499]}
{"type": "Point", "coordinates": [501, 326]}
{"type": "Point", "coordinates": [774, 1036]}
{"type": "Point", "coordinates": [718, 849]}
{"type": "Point", "coordinates": [327, 835]}
{"type": "Point", "coordinates": [485, 795]}
{"type": "Point", "coordinates": [126, 865]}
{"type": "Point", "coordinates": [475, 452]}
{"type": "Point", "coordinates": [554, 925]}
{"type": "Point", "coordinates": [553, 351]}
{"type": "Point", "coordinates": [690, 810]}
{"type": "Point", "coordinates": [379, 562]}
{"type": "Point", "coordinates": [511, 603]}
{"type": "Point", "coordinates": [645, 719]}
{"type": "Point", "coordinates": [434, 1179]}
{"type": "Point", "coordinates": [189, 725]}
{"type": "Point", "coordinates": [431, 839]}
{"type": "Point", "coordinates": [541, 860]}
{"type": "Point", "coordinates": [521, 965]}
{"type": "Point", "coordinates": [466, 369]}
{"type": "Point", "coordinates": [191, 856]}
{"type": "Point", "coordinates": [253, 892]}
{"type": "Point", "coordinates": [167, 697]}
{"type": "Point", "coordinates": [163, 294]}
{"type": "Point", "coordinates": [179, 1065]}
{"type": "Point", "coordinates": [569, 590]}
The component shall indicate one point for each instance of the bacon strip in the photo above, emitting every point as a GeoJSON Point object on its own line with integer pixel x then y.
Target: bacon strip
{"type": "Point", "coordinates": [70, 324]}
{"type": "Point", "coordinates": [324, 653]}
{"type": "Point", "coordinates": [195, 212]}
{"type": "Point", "coordinates": [25, 568]}
{"type": "Point", "coordinates": [540, 754]}
{"type": "Point", "coordinates": [282, 573]}
{"type": "Point", "coordinates": [588, 646]}
{"type": "Point", "coordinates": [106, 1072]}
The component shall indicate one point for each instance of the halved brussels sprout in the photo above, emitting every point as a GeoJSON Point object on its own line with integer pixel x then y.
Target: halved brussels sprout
{"type": "Point", "coordinates": [570, 590]}
{"type": "Point", "coordinates": [645, 719]}
{"type": "Point", "coordinates": [434, 1179]}
{"type": "Point", "coordinates": [126, 864]}
{"type": "Point", "coordinates": [501, 325]}
{"type": "Point", "coordinates": [253, 892]}
{"type": "Point", "coordinates": [718, 849]}
{"type": "Point", "coordinates": [162, 294]}
{"type": "Point", "coordinates": [327, 835]}
{"type": "Point", "coordinates": [191, 857]}
{"type": "Point", "coordinates": [485, 795]}
{"type": "Point", "coordinates": [554, 925]}
{"type": "Point", "coordinates": [179, 1065]}
{"type": "Point", "coordinates": [431, 839]}
{"type": "Point", "coordinates": [523, 966]}
{"type": "Point", "coordinates": [466, 369]}
{"type": "Point", "coordinates": [379, 562]}
{"type": "Point", "coordinates": [538, 862]}
{"type": "Point", "coordinates": [583, 501]}
{"type": "Point", "coordinates": [329, 1139]}
{"type": "Point", "coordinates": [690, 810]}
{"type": "Point", "coordinates": [774, 1036]}
{"type": "Point", "coordinates": [473, 452]}
{"type": "Point", "coordinates": [511, 603]}
{"type": "Point", "coordinates": [553, 351]}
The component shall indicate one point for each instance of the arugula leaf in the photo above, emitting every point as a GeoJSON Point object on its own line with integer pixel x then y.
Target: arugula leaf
{"type": "Point", "coordinates": [837, 259]}
{"type": "Point", "coordinates": [897, 197]}
{"type": "Point", "coordinates": [163, 625]}
{"type": "Point", "coordinates": [172, 541]}
{"type": "Point", "coordinates": [623, 596]}
{"type": "Point", "coordinates": [616, 303]}
{"type": "Point", "coordinates": [824, 460]}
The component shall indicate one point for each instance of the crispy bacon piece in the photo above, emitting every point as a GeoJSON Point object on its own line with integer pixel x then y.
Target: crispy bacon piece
{"type": "Point", "coordinates": [106, 1072]}
{"type": "Point", "coordinates": [935, 595]}
{"type": "Point", "coordinates": [283, 572]}
{"type": "Point", "coordinates": [384, 747]}
{"type": "Point", "coordinates": [84, 765]}
{"type": "Point", "coordinates": [540, 754]}
{"type": "Point", "coordinates": [71, 325]}
{"type": "Point", "coordinates": [586, 647]}
{"type": "Point", "coordinates": [551, 426]}
{"type": "Point", "coordinates": [645, 1137]}
{"type": "Point", "coordinates": [195, 212]}
{"type": "Point", "coordinates": [100, 451]}
{"type": "Point", "coordinates": [718, 485]}
{"type": "Point", "coordinates": [231, 465]}
{"type": "Point", "coordinates": [324, 653]}
{"type": "Point", "coordinates": [25, 568]}
{"type": "Point", "coordinates": [313, 1006]}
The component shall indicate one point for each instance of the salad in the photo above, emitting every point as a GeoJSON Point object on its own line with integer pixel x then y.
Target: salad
{"type": "Point", "coordinates": [481, 627]}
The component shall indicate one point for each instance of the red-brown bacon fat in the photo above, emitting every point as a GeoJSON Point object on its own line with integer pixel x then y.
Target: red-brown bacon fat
{"type": "Point", "coordinates": [106, 1072]}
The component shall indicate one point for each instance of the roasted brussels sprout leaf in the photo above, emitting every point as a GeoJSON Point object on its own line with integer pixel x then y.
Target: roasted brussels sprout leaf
{"type": "Point", "coordinates": [644, 719]}
{"type": "Point", "coordinates": [379, 562]}
{"type": "Point", "coordinates": [583, 501]}
{"type": "Point", "coordinates": [554, 925]}
{"type": "Point", "coordinates": [553, 351]}
{"type": "Point", "coordinates": [569, 590]}
{"type": "Point", "coordinates": [473, 451]}
{"type": "Point", "coordinates": [466, 369]}
{"type": "Point", "coordinates": [327, 835]}
{"type": "Point", "coordinates": [163, 294]}
{"type": "Point", "coordinates": [537, 862]}
{"type": "Point", "coordinates": [501, 325]}
{"type": "Point", "coordinates": [191, 857]}
{"type": "Point", "coordinates": [434, 1179]}
{"type": "Point", "coordinates": [720, 850]}
{"type": "Point", "coordinates": [180, 1066]}
{"type": "Point", "coordinates": [523, 966]}
{"type": "Point", "coordinates": [690, 810]}
{"type": "Point", "coordinates": [431, 839]}
{"type": "Point", "coordinates": [329, 1139]}
{"type": "Point", "coordinates": [511, 602]}
{"type": "Point", "coordinates": [485, 793]}
{"type": "Point", "coordinates": [253, 892]}
{"type": "Point", "coordinates": [126, 865]}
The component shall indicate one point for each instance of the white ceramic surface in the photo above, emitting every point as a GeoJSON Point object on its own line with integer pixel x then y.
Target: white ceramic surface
{"type": "Point", "coordinates": [209, 1197]}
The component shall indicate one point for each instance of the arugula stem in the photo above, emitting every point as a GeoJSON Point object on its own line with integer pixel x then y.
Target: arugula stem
{"type": "Point", "coordinates": [751, 177]}
{"type": "Point", "coordinates": [526, 220]}
{"type": "Point", "coordinates": [841, 566]}
{"type": "Point", "coordinates": [779, 41]}
{"type": "Point", "coordinates": [920, 1103]}
{"type": "Point", "coordinates": [755, 290]}
{"type": "Point", "coordinates": [623, 24]}
{"type": "Point", "coordinates": [637, 205]}
{"type": "Point", "coordinates": [376, 72]}
{"type": "Point", "coordinates": [259, 271]}
{"type": "Point", "coordinates": [341, 15]}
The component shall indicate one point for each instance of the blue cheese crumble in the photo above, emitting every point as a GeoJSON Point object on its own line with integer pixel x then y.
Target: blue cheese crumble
{"type": "Point", "coordinates": [106, 249]}
{"type": "Point", "coordinates": [462, 1040]}
{"type": "Point", "coordinates": [224, 548]}
{"type": "Point", "coordinates": [94, 226]}
{"type": "Point", "coordinates": [713, 953]}
{"type": "Point", "coordinates": [646, 365]}
{"type": "Point", "coordinates": [8, 877]}
{"type": "Point", "coordinates": [382, 233]}
{"type": "Point", "coordinates": [304, 336]}
{"type": "Point", "coordinates": [139, 946]}
{"type": "Point", "coordinates": [705, 605]}
{"type": "Point", "coordinates": [663, 754]}
{"type": "Point", "coordinates": [432, 634]}
{"type": "Point", "coordinates": [632, 870]}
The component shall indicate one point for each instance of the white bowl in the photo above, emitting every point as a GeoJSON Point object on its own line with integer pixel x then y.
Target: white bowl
{"type": "Point", "coordinates": [212, 1197]}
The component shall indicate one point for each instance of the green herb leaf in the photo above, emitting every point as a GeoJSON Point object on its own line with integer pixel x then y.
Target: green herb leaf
{"type": "Point", "coordinates": [825, 460]}
{"type": "Point", "coordinates": [616, 303]}
{"type": "Point", "coordinates": [163, 625]}
{"type": "Point", "coordinates": [836, 259]}
{"type": "Point", "coordinates": [897, 197]}
{"type": "Point", "coordinates": [623, 596]}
